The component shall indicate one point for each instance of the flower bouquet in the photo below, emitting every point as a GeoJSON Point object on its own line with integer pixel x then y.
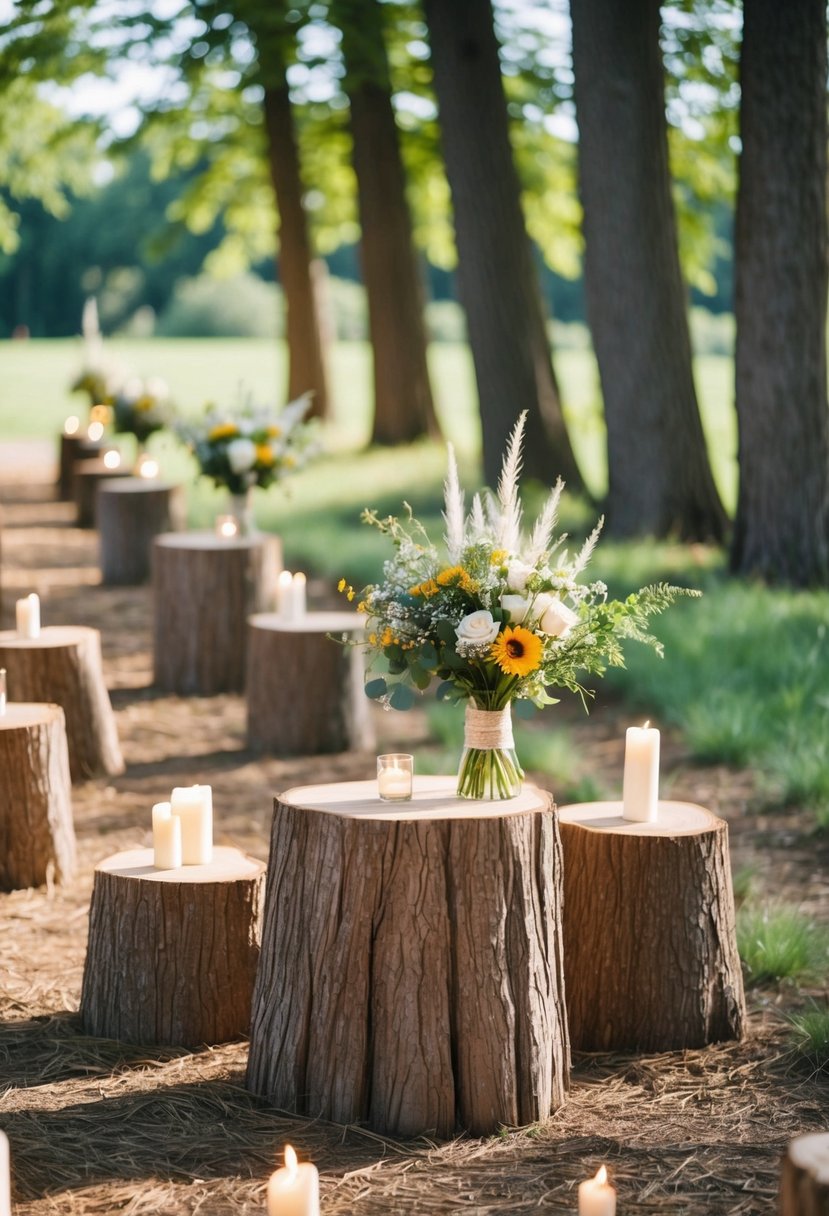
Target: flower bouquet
{"type": "Point", "coordinates": [500, 616]}
{"type": "Point", "coordinates": [141, 407]}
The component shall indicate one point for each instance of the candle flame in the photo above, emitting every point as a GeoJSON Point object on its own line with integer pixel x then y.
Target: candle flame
{"type": "Point", "coordinates": [112, 459]}
{"type": "Point", "coordinates": [285, 578]}
{"type": "Point", "coordinates": [95, 431]}
{"type": "Point", "coordinates": [71, 425]}
{"type": "Point", "coordinates": [147, 467]}
{"type": "Point", "coordinates": [601, 1176]}
{"type": "Point", "coordinates": [290, 1160]}
{"type": "Point", "coordinates": [647, 724]}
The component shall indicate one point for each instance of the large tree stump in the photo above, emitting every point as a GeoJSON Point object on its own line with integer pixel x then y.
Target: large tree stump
{"type": "Point", "coordinates": [64, 665]}
{"type": "Point", "coordinates": [305, 690]}
{"type": "Point", "coordinates": [89, 477]}
{"type": "Point", "coordinates": [804, 1186]}
{"type": "Point", "coordinates": [650, 949]}
{"type": "Point", "coordinates": [411, 970]}
{"type": "Point", "coordinates": [37, 837]}
{"type": "Point", "coordinates": [73, 449]}
{"type": "Point", "coordinates": [172, 953]}
{"type": "Point", "coordinates": [131, 513]}
{"type": "Point", "coordinates": [204, 589]}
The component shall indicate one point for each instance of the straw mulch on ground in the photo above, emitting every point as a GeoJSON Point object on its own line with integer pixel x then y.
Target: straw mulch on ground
{"type": "Point", "coordinates": [100, 1127]}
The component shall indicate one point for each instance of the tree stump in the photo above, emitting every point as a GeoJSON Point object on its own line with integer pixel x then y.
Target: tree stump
{"type": "Point", "coordinates": [204, 589]}
{"type": "Point", "coordinates": [73, 449]}
{"type": "Point", "coordinates": [804, 1186]}
{"type": "Point", "coordinates": [64, 665]}
{"type": "Point", "coordinates": [37, 837]}
{"type": "Point", "coordinates": [305, 690]}
{"type": "Point", "coordinates": [411, 970]}
{"type": "Point", "coordinates": [172, 954]}
{"type": "Point", "coordinates": [131, 512]}
{"type": "Point", "coordinates": [89, 477]}
{"type": "Point", "coordinates": [650, 949]}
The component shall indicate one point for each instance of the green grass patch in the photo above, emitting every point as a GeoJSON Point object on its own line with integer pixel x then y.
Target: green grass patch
{"type": "Point", "coordinates": [778, 942]}
{"type": "Point", "coordinates": [810, 1037]}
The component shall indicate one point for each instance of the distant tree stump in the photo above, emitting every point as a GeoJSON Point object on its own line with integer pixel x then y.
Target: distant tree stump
{"type": "Point", "coordinates": [204, 589]}
{"type": "Point", "coordinates": [36, 832]}
{"type": "Point", "coordinates": [73, 449]}
{"type": "Point", "coordinates": [64, 665]}
{"type": "Point", "coordinates": [650, 949]}
{"type": "Point", "coordinates": [411, 971]}
{"type": "Point", "coordinates": [305, 690]}
{"type": "Point", "coordinates": [89, 477]}
{"type": "Point", "coordinates": [131, 512]}
{"type": "Point", "coordinates": [804, 1187]}
{"type": "Point", "coordinates": [172, 953]}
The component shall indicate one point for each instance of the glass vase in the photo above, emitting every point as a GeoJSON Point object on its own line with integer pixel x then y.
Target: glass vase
{"type": "Point", "coordinates": [489, 767]}
{"type": "Point", "coordinates": [241, 508]}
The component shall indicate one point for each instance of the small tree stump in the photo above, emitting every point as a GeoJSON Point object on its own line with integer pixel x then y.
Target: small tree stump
{"type": "Point", "coordinates": [804, 1186]}
{"type": "Point", "coordinates": [89, 477]}
{"type": "Point", "coordinates": [172, 953]}
{"type": "Point", "coordinates": [37, 836]}
{"type": "Point", "coordinates": [650, 948]}
{"type": "Point", "coordinates": [74, 448]}
{"type": "Point", "coordinates": [64, 665]}
{"type": "Point", "coordinates": [305, 690]}
{"type": "Point", "coordinates": [411, 970]}
{"type": "Point", "coordinates": [131, 512]}
{"type": "Point", "coordinates": [204, 589]}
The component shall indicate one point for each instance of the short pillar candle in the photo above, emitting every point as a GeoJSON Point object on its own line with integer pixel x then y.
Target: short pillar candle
{"type": "Point", "coordinates": [294, 1190]}
{"type": "Point", "coordinates": [596, 1196]}
{"type": "Point", "coordinates": [27, 616]}
{"type": "Point", "coordinates": [166, 837]}
{"type": "Point", "coordinates": [193, 804]}
{"type": "Point", "coordinates": [640, 796]}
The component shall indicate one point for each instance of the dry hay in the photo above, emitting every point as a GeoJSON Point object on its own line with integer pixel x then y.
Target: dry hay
{"type": "Point", "coordinates": [100, 1127]}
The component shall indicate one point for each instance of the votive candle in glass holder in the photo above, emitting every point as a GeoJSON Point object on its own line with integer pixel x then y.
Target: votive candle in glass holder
{"type": "Point", "coordinates": [227, 527]}
{"type": "Point", "coordinates": [394, 777]}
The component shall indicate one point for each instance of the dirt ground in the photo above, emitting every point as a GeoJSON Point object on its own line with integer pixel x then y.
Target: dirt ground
{"type": "Point", "coordinates": [99, 1127]}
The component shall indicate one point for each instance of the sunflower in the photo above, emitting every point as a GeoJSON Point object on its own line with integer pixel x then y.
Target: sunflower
{"type": "Point", "coordinates": [517, 651]}
{"type": "Point", "coordinates": [224, 430]}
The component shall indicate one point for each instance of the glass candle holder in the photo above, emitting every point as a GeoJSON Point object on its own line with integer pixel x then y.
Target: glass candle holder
{"type": "Point", "coordinates": [394, 777]}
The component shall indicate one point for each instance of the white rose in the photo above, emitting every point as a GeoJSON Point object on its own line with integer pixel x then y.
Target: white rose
{"type": "Point", "coordinates": [477, 627]}
{"type": "Point", "coordinates": [554, 618]}
{"type": "Point", "coordinates": [515, 606]}
{"type": "Point", "coordinates": [517, 575]}
{"type": "Point", "coordinates": [241, 455]}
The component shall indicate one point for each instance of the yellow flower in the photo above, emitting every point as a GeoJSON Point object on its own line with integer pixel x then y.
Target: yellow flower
{"type": "Point", "coordinates": [517, 651]}
{"type": "Point", "coordinates": [362, 606]}
{"type": "Point", "coordinates": [497, 556]}
{"type": "Point", "coordinates": [341, 585]}
{"type": "Point", "coordinates": [388, 638]}
{"type": "Point", "coordinates": [264, 455]}
{"type": "Point", "coordinates": [372, 637]}
{"type": "Point", "coordinates": [456, 576]}
{"type": "Point", "coordinates": [273, 432]}
{"type": "Point", "coordinates": [145, 403]}
{"type": "Point", "coordinates": [225, 430]}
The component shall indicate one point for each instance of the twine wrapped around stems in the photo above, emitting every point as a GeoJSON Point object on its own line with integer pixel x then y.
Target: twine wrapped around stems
{"type": "Point", "coordinates": [488, 729]}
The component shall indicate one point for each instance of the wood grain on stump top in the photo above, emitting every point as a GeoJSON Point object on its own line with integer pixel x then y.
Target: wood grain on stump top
{"type": "Point", "coordinates": [27, 713]}
{"type": "Point", "coordinates": [432, 798]}
{"type": "Point", "coordinates": [50, 635]}
{"type": "Point", "coordinates": [209, 540]}
{"type": "Point", "coordinates": [310, 622]}
{"type": "Point", "coordinates": [228, 865]}
{"type": "Point", "coordinates": [804, 1185]}
{"type": "Point", "coordinates": [674, 819]}
{"type": "Point", "coordinates": [137, 485]}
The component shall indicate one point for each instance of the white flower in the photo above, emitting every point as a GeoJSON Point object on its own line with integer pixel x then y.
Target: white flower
{"type": "Point", "coordinates": [477, 627]}
{"type": "Point", "coordinates": [517, 574]}
{"type": "Point", "coordinates": [516, 607]}
{"type": "Point", "coordinates": [241, 455]}
{"type": "Point", "coordinates": [554, 618]}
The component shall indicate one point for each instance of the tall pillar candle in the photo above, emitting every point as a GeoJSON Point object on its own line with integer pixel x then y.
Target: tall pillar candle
{"type": "Point", "coordinates": [596, 1196]}
{"type": "Point", "coordinates": [27, 616]}
{"type": "Point", "coordinates": [640, 793]}
{"type": "Point", "coordinates": [193, 804]}
{"type": "Point", "coordinates": [298, 602]}
{"type": "Point", "coordinates": [295, 1189]}
{"type": "Point", "coordinates": [166, 837]}
{"type": "Point", "coordinates": [284, 593]}
{"type": "Point", "coordinates": [3, 694]}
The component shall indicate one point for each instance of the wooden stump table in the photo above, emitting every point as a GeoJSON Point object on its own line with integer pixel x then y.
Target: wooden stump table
{"type": "Point", "coordinates": [89, 477]}
{"type": "Point", "coordinates": [804, 1189]}
{"type": "Point", "coordinates": [411, 973]}
{"type": "Point", "coordinates": [37, 838]}
{"type": "Point", "coordinates": [172, 953]}
{"type": "Point", "coordinates": [132, 511]}
{"type": "Point", "coordinates": [304, 689]}
{"type": "Point", "coordinates": [64, 665]}
{"type": "Point", "coordinates": [204, 589]}
{"type": "Point", "coordinates": [74, 449]}
{"type": "Point", "coordinates": [650, 950]}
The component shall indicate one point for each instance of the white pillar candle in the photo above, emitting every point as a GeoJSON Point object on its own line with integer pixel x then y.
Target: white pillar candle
{"type": "Point", "coordinates": [298, 603]}
{"type": "Point", "coordinates": [5, 1177]}
{"type": "Point", "coordinates": [284, 593]}
{"type": "Point", "coordinates": [193, 804]}
{"type": "Point", "coordinates": [295, 1189]}
{"type": "Point", "coordinates": [27, 615]}
{"type": "Point", "coordinates": [3, 697]}
{"type": "Point", "coordinates": [166, 837]}
{"type": "Point", "coordinates": [640, 793]}
{"type": "Point", "coordinates": [596, 1196]}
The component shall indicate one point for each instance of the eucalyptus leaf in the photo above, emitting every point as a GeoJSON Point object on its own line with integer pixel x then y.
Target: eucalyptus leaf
{"type": "Point", "coordinates": [401, 697]}
{"type": "Point", "coordinates": [376, 688]}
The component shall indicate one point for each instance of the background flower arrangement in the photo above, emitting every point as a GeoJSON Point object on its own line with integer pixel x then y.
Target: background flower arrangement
{"type": "Point", "coordinates": [141, 407]}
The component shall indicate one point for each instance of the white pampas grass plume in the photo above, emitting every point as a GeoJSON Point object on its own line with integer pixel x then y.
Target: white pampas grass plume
{"type": "Point", "coordinates": [476, 524]}
{"type": "Point", "coordinates": [586, 551]}
{"type": "Point", "coordinates": [542, 533]}
{"type": "Point", "coordinates": [510, 530]}
{"type": "Point", "coordinates": [454, 508]}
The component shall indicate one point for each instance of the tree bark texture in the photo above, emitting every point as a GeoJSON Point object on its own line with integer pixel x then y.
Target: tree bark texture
{"type": "Point", "coordinates": [650, 947]}
{"type": "Point", "coordinates": [204, 589]}
{"type": "Point", "coordinates": [131, 513]}
{"type": "Point", "coordinates": [782, 526]}
{"type": "Point", "coordinates": [90, 475]}
{"type": "Point", "coordinates": [172, 953]}
{"type": "Point", "coordinates": [37, 836]}
{"type": "Point", "coordinates": [411, 971]}
{"type": "Point", "coordinates": [659, 476]}
{"type": "Point", "coordinates": [305, 691]}
{"type": "Point", "coordinates": [498, 282]}
{"type": "Point", "coordinates": [64, 666]}
{"type": "Point", "coordinates": [403, 406]}
{"type": "Point", "coordinates": [804, 1186]}
{"type": "Point", "coordinates": [73, 449]}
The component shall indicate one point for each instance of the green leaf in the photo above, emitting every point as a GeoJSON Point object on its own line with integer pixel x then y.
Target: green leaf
{"type": "Point", "coordinates": [427, 655]}
{"type": "Point", "coordinates": [401, 697]}
{"type": "Point", "coordinates": [445, 631]}
{"type": "Point", "coordinates": [376, 689]}
{"type": "Point", "coordinates": [420, 677]}
{"type": "Point", "coordinates": [446, 691]}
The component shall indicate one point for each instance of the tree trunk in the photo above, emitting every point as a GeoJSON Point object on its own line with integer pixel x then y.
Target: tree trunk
{"type": "Point", "coordinates": [782, 528]}
{"type": "Point", "coordinates": [172, 953]}
{"type": "Point", "coordinates": [37, 836]}
{"type": "Point", "coordinates": [131, 513]}
{"type": "Point", "coordinates": [804, 1187]}
{"type": "Point", "coordinates": [89, 476]}
{"type": "Point", "coordinates": [498, 282]}
{"type": "Point", "coordinates": [64, 666]}
{"type": "Point", "coordinates": [659, 476]}
{"type": "Point", "coordinates": [318, 703]}
{"type": "Point", "coordinates": [419, 987]}
{"type": "Point", "coordinates": [650, 948]}
{"type": "Point", "coordinates": [403, 407]}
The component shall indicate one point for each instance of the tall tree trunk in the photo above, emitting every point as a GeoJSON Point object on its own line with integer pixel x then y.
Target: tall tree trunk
{"type": "Point", "coordinates": [782, 529]}
{"type": "Point", "coordinates": [404, 409]}
{"type": "Point", "coordinates": [497, 278]}
{"type": "Point", "coordinates": [659, 476]}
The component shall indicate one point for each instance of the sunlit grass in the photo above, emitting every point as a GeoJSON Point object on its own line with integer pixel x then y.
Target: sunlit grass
{"type": "Point", "coordinates": [778, 942]}
{"type": "Point", "coordinates": [810, 1037]}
